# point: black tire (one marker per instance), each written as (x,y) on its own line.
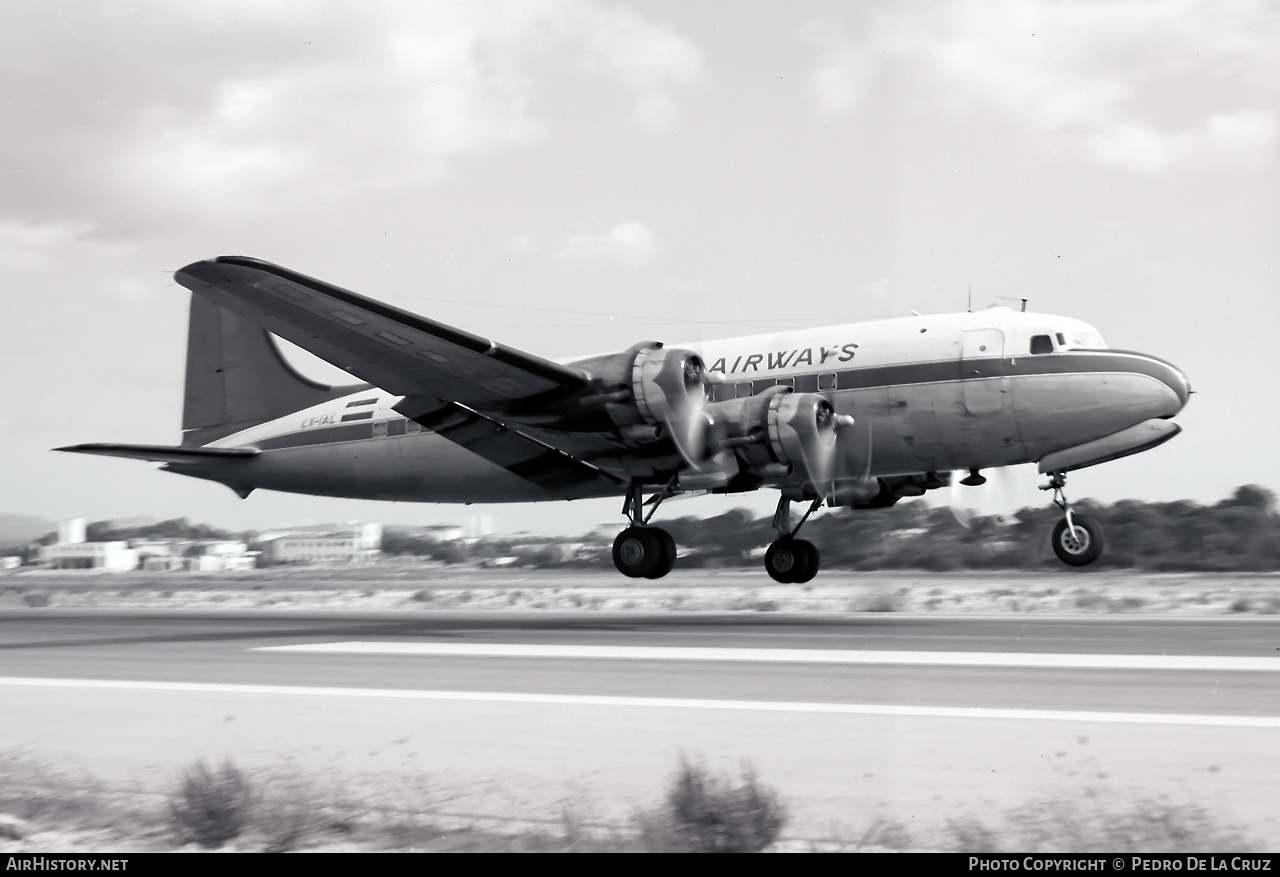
(784,559)
(1083,548)
(667,550)
(637,552)
(812,561)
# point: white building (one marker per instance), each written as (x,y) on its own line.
(317,549)
(71,531)
(355,543)
(111,556)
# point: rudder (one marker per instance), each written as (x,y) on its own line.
(237,377)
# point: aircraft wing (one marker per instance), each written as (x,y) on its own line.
(393,349)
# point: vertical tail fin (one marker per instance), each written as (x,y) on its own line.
(237,378)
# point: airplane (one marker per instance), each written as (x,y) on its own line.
(856,416)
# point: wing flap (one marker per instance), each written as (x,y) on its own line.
(550,468)
(399,351)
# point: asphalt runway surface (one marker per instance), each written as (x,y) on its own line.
(916,719)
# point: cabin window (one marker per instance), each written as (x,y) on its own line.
(412,426)
(1041,344)
(743,389)
(380,429)
(827,381)
(807,384)
(786,382)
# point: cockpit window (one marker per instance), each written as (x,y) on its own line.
(1041,344)
(1086,341)
(1062,339)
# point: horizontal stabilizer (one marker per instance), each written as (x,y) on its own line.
(159,453)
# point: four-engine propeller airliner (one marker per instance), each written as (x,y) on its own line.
(856,415)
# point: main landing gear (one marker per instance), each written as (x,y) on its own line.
(790,560)
(641,551)
(1077,539)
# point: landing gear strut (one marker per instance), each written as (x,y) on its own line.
(1077,539)
(790,560)
(641,551)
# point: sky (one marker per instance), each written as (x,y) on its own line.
(571,177)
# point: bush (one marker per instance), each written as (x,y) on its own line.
(211,807)
(709,813)
(1096,823)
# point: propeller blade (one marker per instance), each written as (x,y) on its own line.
(675,394)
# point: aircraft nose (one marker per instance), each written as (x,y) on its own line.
(1172,377)
(1181,386)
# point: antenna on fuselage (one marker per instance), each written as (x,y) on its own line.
(1024,306)
(970,305)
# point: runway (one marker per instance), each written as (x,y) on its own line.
(917,719)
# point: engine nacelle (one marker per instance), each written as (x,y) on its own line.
(652,392)
(778,434)
(880,493)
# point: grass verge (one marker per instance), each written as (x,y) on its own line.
(43,808)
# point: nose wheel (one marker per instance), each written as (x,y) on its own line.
(1077,539)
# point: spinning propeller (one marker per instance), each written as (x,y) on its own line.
(669,387)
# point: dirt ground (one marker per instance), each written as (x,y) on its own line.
(410,585)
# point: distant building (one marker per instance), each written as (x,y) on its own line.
(479,527)
(71,532)
(164,563)
(193,555)
(357,543)
(111,556)
(222,549)
(446,532)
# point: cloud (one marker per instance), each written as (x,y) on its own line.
(121,115)
(1134,84)
(1247,138)
(629,242)
(649,58)
(26,245)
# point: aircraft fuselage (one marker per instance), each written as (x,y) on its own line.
(927,394)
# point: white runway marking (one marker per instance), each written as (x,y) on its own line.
(855,709)
(786,656)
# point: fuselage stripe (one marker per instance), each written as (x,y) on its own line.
(869,378)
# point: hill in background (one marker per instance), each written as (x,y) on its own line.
(16,530)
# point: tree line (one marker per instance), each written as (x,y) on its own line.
(1238,534)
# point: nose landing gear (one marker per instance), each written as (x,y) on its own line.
(790,560)
(1077,539)
(641,551)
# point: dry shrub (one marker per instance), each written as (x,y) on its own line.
(1094,824)
(881,601)
(211,806)
(287,813)
(706,812)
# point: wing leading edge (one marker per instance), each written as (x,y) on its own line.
(455,383)
(399,351)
